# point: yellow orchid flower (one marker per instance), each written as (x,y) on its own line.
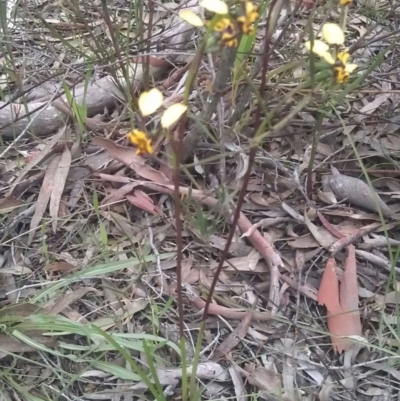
(223,24)
(172,114)
(333,35)
(345,2)
(141,141)
(150,101)
(342,68)
(247,20)
(191,18)
(229,39)
(215,6)
(226,27)
(321,49)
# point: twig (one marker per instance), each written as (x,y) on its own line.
(229,313)
(338,245)
(146,62)
(155,251)
(303,289)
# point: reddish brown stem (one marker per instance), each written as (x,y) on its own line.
(253,151)
(178,145)
(178,222)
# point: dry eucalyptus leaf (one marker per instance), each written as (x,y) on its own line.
(68,299)
(263,378)
(233,339)
(60,178)
(47,150)
(357,192)
(128,157)
(268,381)
(16,270)
(44,196)
(306,241)
(327,197)
(238,384)
(324,237)
(326,390)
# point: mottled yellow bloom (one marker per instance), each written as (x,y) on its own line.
(223,24)
(345,2)
(229,39)
(141,141)
(246,21)
(226,27)
(343,56)
(341,74)
(342,68)
(334,35)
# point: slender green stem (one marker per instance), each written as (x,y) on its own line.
(316,134)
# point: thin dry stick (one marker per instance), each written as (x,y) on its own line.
(341,243)
(157,255)
(303,289)
(229,313)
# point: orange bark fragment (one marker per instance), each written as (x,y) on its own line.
(343,317)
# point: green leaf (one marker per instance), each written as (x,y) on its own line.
(117,371)
(135,366)
(98,270)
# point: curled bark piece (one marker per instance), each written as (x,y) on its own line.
(358,193)
(43,118)
(349,291)
(342,310)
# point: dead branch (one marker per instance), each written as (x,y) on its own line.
(43,119)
